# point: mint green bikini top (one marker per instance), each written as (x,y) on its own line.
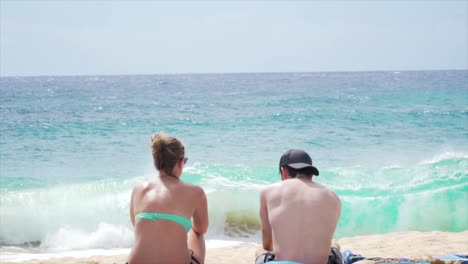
(185,222)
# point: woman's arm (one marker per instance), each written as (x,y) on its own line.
(132,211)
(200,216)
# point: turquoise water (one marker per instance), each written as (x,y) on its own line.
(393,145)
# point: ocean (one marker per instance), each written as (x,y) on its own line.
(392,145)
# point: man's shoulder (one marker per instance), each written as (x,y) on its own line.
(330,194)
(324,188)
(271,188)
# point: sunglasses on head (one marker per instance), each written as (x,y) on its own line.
(185,160)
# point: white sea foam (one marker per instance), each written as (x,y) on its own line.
(95,214)
(106,236)
(446,156)
(16,254)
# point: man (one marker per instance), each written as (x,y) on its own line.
(299,216)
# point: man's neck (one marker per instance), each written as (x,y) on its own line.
(303,177)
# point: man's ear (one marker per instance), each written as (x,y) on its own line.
(284,174)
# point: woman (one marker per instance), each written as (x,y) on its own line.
(170,216)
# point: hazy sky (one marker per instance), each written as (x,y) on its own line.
(146,37)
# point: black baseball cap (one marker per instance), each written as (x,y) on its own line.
(297,159)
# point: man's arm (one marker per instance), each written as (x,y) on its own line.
(266,228)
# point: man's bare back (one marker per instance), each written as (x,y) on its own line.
(298,217)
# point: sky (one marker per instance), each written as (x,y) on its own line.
(155,37)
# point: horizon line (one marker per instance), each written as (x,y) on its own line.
(225,73)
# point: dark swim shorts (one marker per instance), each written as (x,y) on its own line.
(334,257)
(194,260)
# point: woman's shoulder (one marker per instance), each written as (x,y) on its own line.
(194,189)
(143,187)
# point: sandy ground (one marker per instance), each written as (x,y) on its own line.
(406,244)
